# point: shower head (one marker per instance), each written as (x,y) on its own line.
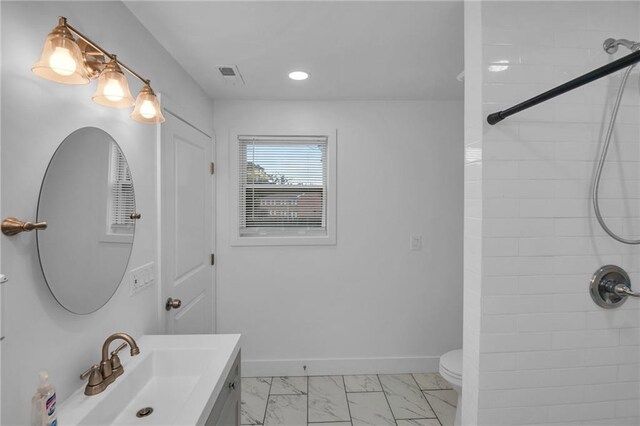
(610,45)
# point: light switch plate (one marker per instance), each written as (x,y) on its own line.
(142,277)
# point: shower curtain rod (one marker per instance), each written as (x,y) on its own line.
(612,67)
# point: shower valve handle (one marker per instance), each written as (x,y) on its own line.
(623,290)
(610,287)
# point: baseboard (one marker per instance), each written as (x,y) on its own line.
(339,366)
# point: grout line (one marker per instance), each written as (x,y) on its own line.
(344,386)
(426,399)
(387,399)
(308,399)
(288,394)
(266,407)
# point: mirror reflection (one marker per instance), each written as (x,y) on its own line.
(87,198)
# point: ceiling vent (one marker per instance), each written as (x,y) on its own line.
(231,75)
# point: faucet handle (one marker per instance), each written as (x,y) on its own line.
(118,349)
(115,359)
(93,373)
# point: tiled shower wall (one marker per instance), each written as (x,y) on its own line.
(548,354)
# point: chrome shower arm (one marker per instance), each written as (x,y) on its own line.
(610,45)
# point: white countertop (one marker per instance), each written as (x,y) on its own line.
(182,374)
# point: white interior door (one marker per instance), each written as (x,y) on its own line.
(187,227)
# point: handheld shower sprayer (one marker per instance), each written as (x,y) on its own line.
(610,45)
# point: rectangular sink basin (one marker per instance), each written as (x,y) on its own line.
(180,377)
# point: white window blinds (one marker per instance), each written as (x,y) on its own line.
(122,195)
(283,185)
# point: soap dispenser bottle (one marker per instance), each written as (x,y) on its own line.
(43,403)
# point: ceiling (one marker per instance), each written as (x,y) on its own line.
(387,50)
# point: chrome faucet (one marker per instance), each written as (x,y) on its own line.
(103,374)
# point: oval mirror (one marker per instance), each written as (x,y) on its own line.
(87,198)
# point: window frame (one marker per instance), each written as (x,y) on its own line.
(284,240)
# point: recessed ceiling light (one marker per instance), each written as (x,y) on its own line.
(298,75)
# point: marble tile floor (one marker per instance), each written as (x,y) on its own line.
(424,399)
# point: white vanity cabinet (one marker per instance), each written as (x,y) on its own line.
(226,410)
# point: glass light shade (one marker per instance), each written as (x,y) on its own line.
(147,109)
(61,60)
(113,88)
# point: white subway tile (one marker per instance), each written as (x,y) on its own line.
(591,411)
(502,36)
(499,266)
(500,170)
(536,360)
(493,247)
(582,264)
(518,227)
(629,373)
(498,324)
(531,397)
(514,342)
(547,377)
(567,132)
(574,302)
(584,226)
(498,361)
(513,416)
(504,285)
(537,247)
(510,150)
(518,188)
(630,336)
(552,55)
(611,355)
(607,319)
(579,39)
(584,339)
(571,189)
(552,321)
(500,207)
(611,392)
(550,284)
(629,408)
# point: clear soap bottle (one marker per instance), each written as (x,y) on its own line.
(43,403)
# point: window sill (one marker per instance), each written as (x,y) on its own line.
(247,241)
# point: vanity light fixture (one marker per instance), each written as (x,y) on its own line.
(298,75)
(68,60)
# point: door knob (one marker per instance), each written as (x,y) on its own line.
(172,304)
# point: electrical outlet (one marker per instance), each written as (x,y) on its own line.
(142,277)
(415,242)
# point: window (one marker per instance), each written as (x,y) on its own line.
(285,190)
(122,198)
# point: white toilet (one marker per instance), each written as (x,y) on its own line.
(451,371)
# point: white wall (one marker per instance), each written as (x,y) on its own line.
(548,354)
(472,211)
(36,117)
(367,303)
